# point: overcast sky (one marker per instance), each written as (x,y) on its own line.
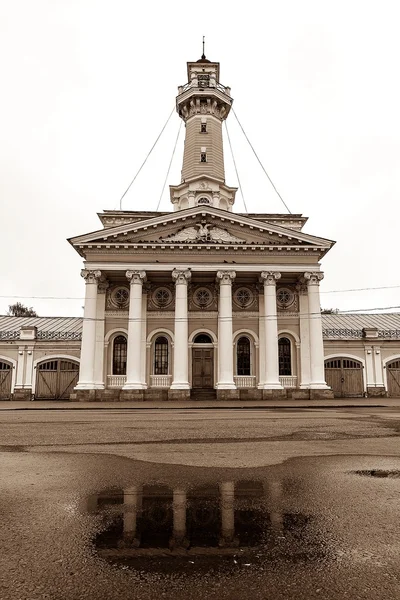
(88,84)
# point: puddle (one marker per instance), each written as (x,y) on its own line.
(219,526)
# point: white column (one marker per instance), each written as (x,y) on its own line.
(99,351)
(179,510)
(29,367)
(227,490)
(261,354)
(86,369)
(181,348)
(305,374)
(131,506)
(225,331)
(378,367)
(134,350)
(317,370)
(19,377)
(271,331)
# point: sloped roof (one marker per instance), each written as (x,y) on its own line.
(385,321)
(61,328)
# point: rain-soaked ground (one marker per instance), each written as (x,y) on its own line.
(248,504)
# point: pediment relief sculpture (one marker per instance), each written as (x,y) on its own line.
(203,234)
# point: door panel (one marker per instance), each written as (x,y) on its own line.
(203,368)
(5,381)
(345,377)
(393,379)
(56,379)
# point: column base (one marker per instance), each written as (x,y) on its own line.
(273,386)
(180,385)
(319,385)
(228,394)
(178,394)
(21,394)
(134,386)
(228,385)
(85,385)
(376,391)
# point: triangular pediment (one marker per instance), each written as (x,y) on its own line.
(202,225)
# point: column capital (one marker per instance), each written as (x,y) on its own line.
(136,277)
(181,276)
(313,278)
(270,277)
(225,277)
(91,276)
(302,287)
(103,285)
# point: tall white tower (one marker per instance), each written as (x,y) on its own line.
(203,103)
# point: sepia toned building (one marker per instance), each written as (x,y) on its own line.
(200,301)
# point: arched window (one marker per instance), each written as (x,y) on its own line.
(243,356)
(285,356)
(161,356)
(119,355)
(202,338)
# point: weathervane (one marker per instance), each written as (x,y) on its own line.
(203,55)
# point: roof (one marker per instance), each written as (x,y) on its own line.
(48,328)
(336,326)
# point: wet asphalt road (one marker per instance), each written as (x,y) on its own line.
(52,461)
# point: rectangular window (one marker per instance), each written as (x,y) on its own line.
(203,128)
(203,157)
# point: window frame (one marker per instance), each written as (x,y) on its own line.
(282,359)
(248,357)
(164,358)
(121,370)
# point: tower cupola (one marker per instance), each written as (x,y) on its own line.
(203,103)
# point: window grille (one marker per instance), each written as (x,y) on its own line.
(243,356)
(119,355)
(161,356)
(203,128)
(285,358)
(203,157)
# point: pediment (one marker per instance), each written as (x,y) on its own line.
(196,226)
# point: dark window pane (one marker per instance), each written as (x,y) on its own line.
(202,338)
(119,355)
(243,356)
(285,358)
(161,356)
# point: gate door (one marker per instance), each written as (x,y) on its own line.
(345,377)
(56,379)
(202,368)
(393,378)
(5,380)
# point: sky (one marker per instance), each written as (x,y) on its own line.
(87,86)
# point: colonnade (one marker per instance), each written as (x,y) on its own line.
(312,355)
(133,508)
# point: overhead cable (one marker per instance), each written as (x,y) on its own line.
(169,166)
(237,172)
(262,166)
(144,162)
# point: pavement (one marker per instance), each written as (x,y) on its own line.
(202,404)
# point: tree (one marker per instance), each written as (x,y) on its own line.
(329,311)
(20,310)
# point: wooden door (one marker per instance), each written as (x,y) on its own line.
(56,379)
(393,379)
(5,380)
(345,377)
(203,368)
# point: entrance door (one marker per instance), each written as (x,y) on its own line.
(345,377)
(56,379)
(393,379)
(5,381)
(203,368)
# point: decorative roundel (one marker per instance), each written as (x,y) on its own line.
(284,297)
(120,297)
(243,297)
(202,297)
(162,297)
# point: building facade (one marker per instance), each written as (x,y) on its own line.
(199,301)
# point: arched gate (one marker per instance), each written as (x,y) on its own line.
(55,379)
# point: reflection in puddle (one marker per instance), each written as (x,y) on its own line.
(209,526)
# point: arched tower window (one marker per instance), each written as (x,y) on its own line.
(161,356)
(285,356)
(119,355)
(243,356)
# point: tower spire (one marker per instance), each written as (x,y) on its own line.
(203,55)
